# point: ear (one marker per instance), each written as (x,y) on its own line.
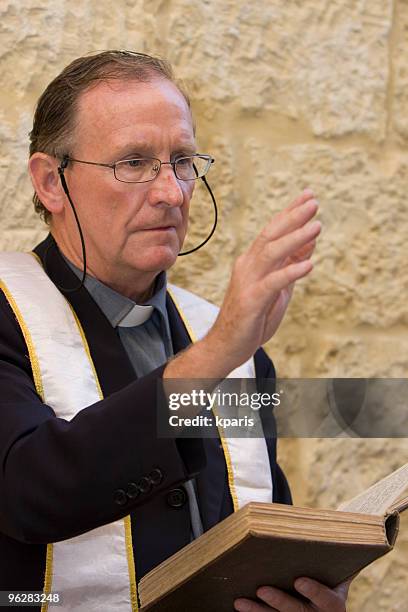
(43,170)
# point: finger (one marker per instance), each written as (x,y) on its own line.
(301,254)
(323,597)
(304,252)
(283,278)
(274,254)
(307,194)
(279,600)
(283,224)
(247,605)
(343,588)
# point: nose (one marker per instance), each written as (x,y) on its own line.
(165,189)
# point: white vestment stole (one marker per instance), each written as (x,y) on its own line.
(96,571)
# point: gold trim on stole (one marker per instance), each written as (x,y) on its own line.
(49,559)
(35,365)
(231,482)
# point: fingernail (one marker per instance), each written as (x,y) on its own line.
(268,593)
(308,191)
(316,225)
(242,606)
(303,586)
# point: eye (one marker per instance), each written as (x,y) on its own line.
(135,163)
(184,161)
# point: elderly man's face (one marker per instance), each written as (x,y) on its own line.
(130,228)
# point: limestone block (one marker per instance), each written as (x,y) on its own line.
(319,62)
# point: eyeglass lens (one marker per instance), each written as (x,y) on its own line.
(143,170)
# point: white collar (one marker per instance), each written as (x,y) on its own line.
(136,316)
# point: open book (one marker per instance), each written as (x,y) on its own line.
(273,544)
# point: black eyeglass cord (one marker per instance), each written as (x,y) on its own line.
(214,224)
(61,169)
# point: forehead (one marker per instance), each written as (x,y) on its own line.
(119,111)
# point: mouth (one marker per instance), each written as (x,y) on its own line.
(160,228)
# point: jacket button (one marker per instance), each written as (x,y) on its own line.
(176,498)
(133,490)
(144,484)
(156,476)
(120,497)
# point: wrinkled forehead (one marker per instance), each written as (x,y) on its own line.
(112,106)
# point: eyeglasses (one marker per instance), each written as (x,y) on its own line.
(143,170)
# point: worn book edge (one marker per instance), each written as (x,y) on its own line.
(383,497)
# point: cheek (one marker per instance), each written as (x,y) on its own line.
(119,207)
(185,209)
(95,197)
(188,190)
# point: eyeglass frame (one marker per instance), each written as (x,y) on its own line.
(67,158)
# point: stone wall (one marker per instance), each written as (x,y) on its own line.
(287,94)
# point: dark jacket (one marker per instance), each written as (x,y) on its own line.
(61,478)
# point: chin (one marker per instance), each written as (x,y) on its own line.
(155,260)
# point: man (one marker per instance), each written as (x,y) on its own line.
(113,162)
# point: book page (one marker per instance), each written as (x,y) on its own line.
(400,505)
(378,498)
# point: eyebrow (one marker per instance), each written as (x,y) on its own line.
(146,149)
(134,148)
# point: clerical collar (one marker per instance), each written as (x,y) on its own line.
(138,314)
(120,310)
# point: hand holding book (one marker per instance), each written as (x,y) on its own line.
(321,598)
(262,552)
